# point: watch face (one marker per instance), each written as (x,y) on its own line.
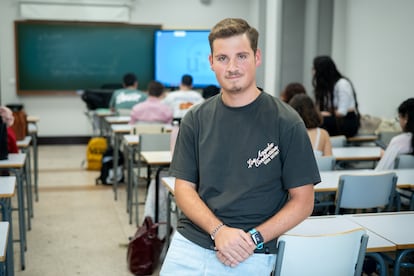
(257,238)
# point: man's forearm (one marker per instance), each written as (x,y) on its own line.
(193,207)
(298,208)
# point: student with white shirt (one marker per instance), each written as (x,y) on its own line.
(402,143)
(336,98)
(184,98)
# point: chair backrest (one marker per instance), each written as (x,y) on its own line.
(404,161)
(139,128)
(154,141)
(361,191)
(325,163)
(339,254)
(338,141)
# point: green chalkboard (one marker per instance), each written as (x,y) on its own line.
(58,56)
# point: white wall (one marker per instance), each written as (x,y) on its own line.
(373,46)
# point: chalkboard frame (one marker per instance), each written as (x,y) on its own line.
(142,59)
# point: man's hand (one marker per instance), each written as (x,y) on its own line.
(233,246)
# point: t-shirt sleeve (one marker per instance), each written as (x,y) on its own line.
(299,164)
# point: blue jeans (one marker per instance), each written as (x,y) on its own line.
(187,258)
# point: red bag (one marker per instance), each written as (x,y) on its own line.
(144,249)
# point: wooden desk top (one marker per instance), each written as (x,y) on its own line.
(157,157)
(117,119)
(357,153)
(104,112)
(32,119)
(396,227)
(169,183)
(326,225)
(362,138)
(131,140)
(14,161)
(7,186)
(25,142)
(4,234)
(121,128)
(330,179)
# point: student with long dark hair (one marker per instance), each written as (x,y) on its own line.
(336,98)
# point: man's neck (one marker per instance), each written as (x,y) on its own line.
(239,99)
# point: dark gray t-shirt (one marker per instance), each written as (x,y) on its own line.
(243,161)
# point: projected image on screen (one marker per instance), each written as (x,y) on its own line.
(183,52)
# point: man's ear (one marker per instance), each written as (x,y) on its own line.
(258,57)
(210,59)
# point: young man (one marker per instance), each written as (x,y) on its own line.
(123,100)
(244,168)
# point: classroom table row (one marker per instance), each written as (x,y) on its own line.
(390,234)
(18,166)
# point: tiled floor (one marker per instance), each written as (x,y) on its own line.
(78,228)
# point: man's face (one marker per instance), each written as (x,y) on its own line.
(234,63)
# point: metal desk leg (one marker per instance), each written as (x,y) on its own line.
(35,166)
(157,192)
(28,178)
(21,212)
(5,204)
(115,166)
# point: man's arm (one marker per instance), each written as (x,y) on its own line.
(233,243)
(297,209)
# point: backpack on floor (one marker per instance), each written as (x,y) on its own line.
(94,152)
(107,172)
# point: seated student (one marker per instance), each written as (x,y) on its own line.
(181,100)
(402,143)
(319,137)
(7,117)
(292,89)
(152,109)
(127,97)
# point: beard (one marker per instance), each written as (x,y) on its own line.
(234,86)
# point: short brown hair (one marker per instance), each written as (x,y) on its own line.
(155,88)
(231,27)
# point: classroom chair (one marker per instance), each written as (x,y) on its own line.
(406,161)
(367,191)
(325,163)
(339,254)
(338,141)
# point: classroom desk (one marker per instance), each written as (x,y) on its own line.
(16,164)
(24,146)
(357,153)
(359,139)
(118,130)
(162,160)
(325,225)
(397,227)
(33,129)
(317,225)
(330,179)
(4,244)
(169,183)
(131,143)
(7,192)
(115,120)
(98,119)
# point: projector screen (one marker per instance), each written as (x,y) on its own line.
(179,52)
